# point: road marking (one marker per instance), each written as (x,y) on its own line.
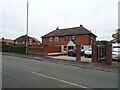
(81,86)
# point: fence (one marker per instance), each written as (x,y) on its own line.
(101,52)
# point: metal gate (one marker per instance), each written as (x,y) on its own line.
(101,52)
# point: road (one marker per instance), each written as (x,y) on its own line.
(27,73)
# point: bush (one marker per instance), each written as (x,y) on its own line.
(5,47)
(17,49)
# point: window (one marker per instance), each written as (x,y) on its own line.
(51,39)
(56,38)
(16,42)
(82,47)
(73,38)
(66,38)
(19,42)
(23,42)
(65,48)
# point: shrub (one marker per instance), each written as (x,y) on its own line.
(17,49)
(5,47)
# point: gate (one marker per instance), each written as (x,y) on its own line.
(101,52)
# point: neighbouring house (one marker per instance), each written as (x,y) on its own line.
(22,40)
(116,37)
(68,38)
(7,41)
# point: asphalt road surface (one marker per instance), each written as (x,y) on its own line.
(27,73)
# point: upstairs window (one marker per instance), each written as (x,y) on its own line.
(51,39)
(73,38)
(66,38)
(56,38)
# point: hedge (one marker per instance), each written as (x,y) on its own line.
(5,47)
(17,49)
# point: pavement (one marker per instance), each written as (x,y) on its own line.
(45,72)
(71,61)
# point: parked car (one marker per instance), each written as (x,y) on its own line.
(72,52)
(88,53)
(82,52)
(116,52)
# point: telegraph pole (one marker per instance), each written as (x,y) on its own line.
(27,28)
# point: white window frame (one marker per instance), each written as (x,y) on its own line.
(51,39)
(73,38)
(56,38)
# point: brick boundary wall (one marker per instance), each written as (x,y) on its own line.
(78,52)
(54,48)
(43,49)
(108,59)
(38,50)
(94,53)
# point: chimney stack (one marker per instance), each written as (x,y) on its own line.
(57,28)
(81,25)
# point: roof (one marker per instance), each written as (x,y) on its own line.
(35,39)
(71,43)
(23,38)
(7,40)
(69,31)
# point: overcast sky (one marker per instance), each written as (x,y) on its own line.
(99,16)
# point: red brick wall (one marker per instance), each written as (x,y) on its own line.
(80,39)
(94,53)
(108,59)
(54,49)
(38,50)
(61,41)
(41,49)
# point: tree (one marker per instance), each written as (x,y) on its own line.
(116,36)
(102,42)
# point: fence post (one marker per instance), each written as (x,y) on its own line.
(108,59)
(78,52)
(94,52)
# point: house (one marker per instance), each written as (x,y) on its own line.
(22,40)
(7,41)
(116,37)
(68,38)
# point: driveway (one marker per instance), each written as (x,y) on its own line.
(65,57)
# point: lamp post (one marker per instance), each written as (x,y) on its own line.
(27,28)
